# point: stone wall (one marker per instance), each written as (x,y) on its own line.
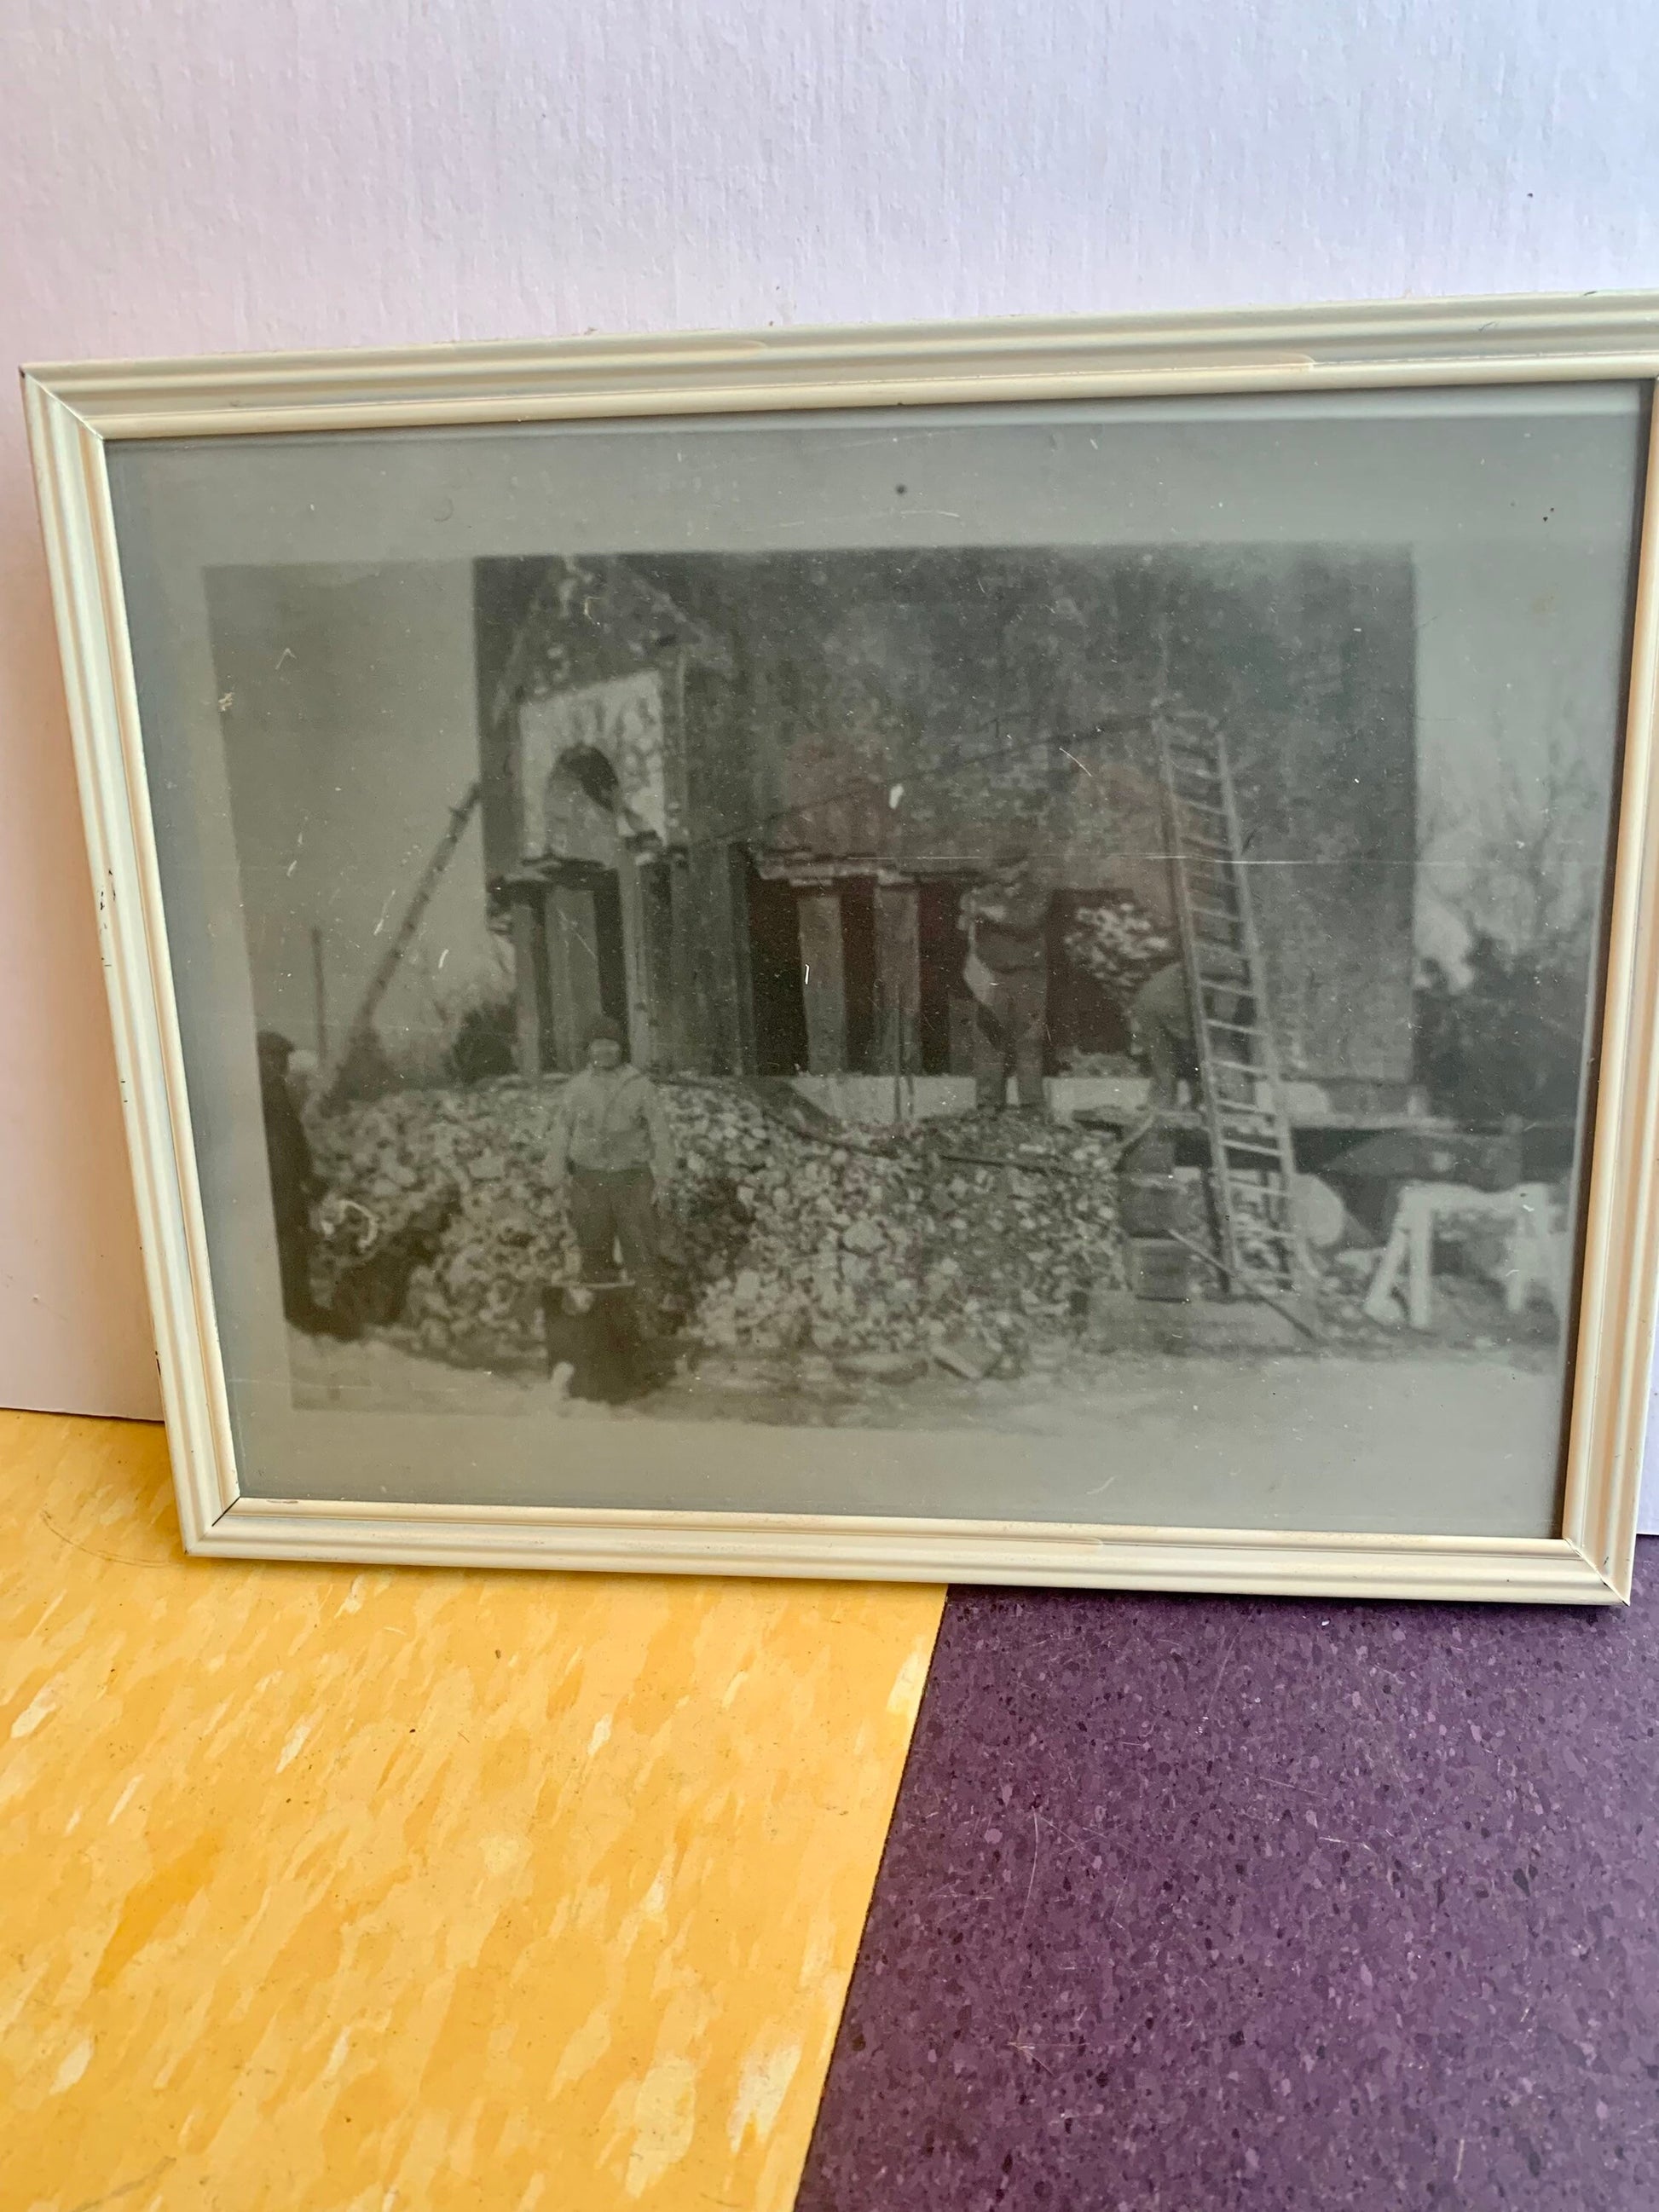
(910,715)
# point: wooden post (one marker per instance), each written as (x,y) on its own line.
(744,1039)
(657,915)
(686,1023)
(1419,1206)
(573,969)
(319,996)
(823,980)
(636,959)
(528,977)
(718,961)
(898,973)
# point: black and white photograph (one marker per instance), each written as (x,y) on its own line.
(1121,989)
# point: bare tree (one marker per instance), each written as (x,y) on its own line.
(1518,857)
(1518,860)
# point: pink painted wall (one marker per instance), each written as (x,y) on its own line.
(184,177)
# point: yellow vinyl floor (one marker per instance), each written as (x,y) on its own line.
(323,1891)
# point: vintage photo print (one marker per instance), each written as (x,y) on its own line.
(1039,962)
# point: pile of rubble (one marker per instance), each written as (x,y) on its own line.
(966,1239)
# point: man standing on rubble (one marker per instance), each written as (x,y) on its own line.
(611,1146)
(1006,970)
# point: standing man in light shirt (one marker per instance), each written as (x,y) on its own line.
(612,1146)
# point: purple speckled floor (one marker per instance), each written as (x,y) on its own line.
(1192,1904)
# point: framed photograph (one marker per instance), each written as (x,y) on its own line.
(1024,952)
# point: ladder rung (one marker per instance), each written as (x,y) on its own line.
(1247,1145)
(1237,1029)
(1220,914)
(1239,1067)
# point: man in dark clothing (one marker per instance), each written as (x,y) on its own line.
(293,1182)
(1161,1021)
(1007,972)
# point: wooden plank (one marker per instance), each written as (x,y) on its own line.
(528,958)
(823,980)
(657,913)
(637,960)
(898,977)
(573,969)
(717,971)
(745,1037)
(686,1025)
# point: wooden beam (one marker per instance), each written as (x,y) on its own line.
(745,1038)
(823,980)
(898,978)
(687,1026)
(573,969)
(642,1037)
(657,915)
(528,984)
(718,960)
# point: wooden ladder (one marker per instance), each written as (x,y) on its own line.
(1252,1162)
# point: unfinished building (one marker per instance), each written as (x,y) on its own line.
(736,801)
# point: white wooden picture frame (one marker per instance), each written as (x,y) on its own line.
(86,420)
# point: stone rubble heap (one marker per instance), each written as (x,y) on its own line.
(967,1239)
